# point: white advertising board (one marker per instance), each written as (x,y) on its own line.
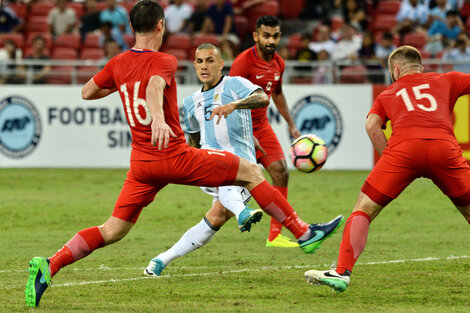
(51,126)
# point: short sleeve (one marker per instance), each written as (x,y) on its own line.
(460,83)
(242,86)
(164,66)
(190,121)
(378,109)
(104,78)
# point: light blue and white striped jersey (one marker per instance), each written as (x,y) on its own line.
(234,133)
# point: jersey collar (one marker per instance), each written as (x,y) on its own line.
(221,79)
(137,50)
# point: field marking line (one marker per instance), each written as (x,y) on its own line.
(257,269)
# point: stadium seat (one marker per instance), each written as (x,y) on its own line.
(177,41)
(197,40)
(60,75)
(290,9)
(128,5)
(294,43)
(336,23)
(68,40)
(92,41)
(92,54)
(179,54)
(242,25)
(40,9)
(388,7)
(31,35)
(78,8)
(383,22)
(353,74)
(416,39)
(20,9)
(269,7)
(16,37)
(63,53)
(84,73)
(378,38)
(37,24)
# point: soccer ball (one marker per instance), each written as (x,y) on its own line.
(308,153)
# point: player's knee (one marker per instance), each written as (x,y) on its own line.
(113,232)
(279,173)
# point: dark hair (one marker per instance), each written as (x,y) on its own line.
(452,13)
(387,35)
(145,16)
(39,37)
(267,20)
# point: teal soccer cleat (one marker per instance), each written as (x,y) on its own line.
(318,234)
(38,281)
(154,268)
(330,278)
(248,217)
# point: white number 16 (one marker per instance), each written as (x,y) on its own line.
(418,96)
(136,102)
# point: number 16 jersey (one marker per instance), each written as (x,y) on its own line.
(419,106)
(130,72)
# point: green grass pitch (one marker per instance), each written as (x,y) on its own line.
(416,259)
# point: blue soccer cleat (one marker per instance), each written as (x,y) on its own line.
(318,234)
(38,281)
(247,217)
(154,268)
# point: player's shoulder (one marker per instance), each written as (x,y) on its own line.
(244,55)
(279,59)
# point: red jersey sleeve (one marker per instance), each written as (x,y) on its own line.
(165,67)
(460,84)
(378,109)
(239,67)
(104,78)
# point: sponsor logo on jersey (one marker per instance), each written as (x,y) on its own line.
(316,114)
(216,97)
(20,127)
(277,76)
(259,76)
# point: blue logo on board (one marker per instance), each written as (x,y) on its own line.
(319,115)
(20,127)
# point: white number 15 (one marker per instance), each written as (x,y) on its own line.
(418,96)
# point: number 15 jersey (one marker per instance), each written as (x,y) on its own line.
(419,106)
(130,72)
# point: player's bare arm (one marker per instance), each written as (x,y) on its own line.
(91,91)
(374,126)
(280,101)
(161,132)
(257,99)
(195,140)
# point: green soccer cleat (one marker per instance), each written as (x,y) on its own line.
(281,242)
(319,233)
(154,268)
(331,278)
(38,281)
(247,217)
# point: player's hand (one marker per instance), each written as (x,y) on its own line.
(258,146)
(294,132)
(223,110)
(161,133)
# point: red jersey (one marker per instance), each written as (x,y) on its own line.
(130,72)
(267,75)
(420,106)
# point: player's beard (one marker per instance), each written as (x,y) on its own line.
(265,49)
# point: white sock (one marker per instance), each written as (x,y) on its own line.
(194,238)
(231,198)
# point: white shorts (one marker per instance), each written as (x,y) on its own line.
(214,191)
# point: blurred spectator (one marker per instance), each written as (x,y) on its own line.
(11,73)
(321,75)
(438,12)
(219,20)
(385,48)
(314,9)
(196,21)
(368,47)
(304,54)
(354,12)
(40,72)
(9,22)
(111,49)
(240,7)
(228,53)
(110,33)
(90,21)
(177,15)
(461,52)
(411,16)
(283,51)
(117,15)
(322,41)
(349,45)
(440,32)
(62,19)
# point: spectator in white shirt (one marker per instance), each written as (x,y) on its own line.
(349,45)
(323,41)
(177,16)
(411,16)
(62,20)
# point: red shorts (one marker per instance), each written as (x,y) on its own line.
(197,167)
(437,159)
(268,140)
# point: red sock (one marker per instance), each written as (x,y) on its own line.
(276,226)
(354,240)
(273,203)
(82,244)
